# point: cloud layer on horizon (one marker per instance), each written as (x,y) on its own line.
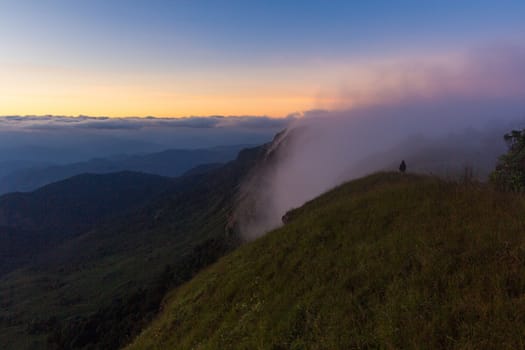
(51,122)
(59,139)
(418,95)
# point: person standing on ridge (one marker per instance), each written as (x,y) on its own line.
(402,167)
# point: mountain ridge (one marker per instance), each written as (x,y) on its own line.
(385,261)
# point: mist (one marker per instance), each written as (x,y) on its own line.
(442,129)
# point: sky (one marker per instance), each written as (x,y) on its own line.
(121,58)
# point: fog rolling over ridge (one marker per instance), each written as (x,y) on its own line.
(440,121)
(325,149)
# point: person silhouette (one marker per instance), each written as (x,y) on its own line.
(402,166)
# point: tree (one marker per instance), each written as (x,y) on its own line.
(510,171)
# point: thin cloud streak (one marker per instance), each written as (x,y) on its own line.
(49,122)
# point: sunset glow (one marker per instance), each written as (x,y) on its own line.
(172,59)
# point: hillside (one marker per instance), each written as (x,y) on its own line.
(386,261)
(172,162)
(99,289)
(34,221)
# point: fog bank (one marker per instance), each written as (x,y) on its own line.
(452,126)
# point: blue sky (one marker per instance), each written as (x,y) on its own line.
(198,57)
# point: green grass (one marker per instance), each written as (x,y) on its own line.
(387,261)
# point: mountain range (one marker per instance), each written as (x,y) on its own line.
(140,261)
(171,163)
(107,262)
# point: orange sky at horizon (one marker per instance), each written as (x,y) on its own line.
(275,91)
(186,58)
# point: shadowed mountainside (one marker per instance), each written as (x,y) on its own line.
(36,221)
(98,289)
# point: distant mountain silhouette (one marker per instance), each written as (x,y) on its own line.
(173,162)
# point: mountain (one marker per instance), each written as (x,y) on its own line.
(201,169)
(9,166)
(389,260)
(35,221)
(170,163)
(100,288)
(386,261)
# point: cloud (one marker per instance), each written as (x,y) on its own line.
(440,119)
(491,72)
(49,123)
(59,139)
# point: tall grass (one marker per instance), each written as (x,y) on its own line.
(387,261)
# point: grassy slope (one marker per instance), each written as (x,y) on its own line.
(387,261)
